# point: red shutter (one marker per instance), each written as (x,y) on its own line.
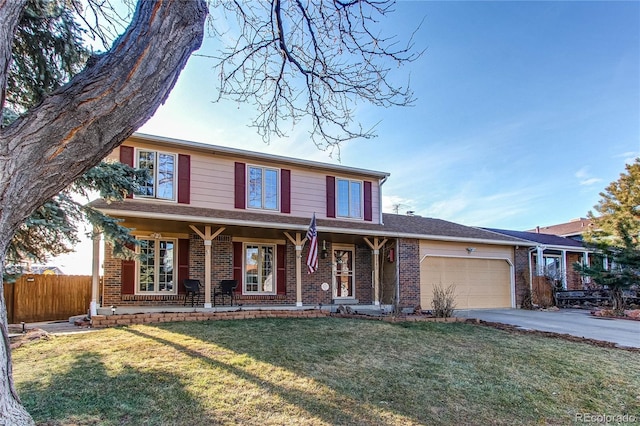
(285,191)
(237,265)
(368,206)
(240,177)
(281,276)
(126,157)
(331,196)
(183,263)
(184,179)
(128,275)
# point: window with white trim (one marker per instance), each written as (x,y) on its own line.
(259,269)
(155,268)
(349,198)
(161,167)
(262,190)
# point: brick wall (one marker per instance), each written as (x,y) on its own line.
(364,275)
(312,292)
(408,256)
(522,274)
(102,321)
(574,281)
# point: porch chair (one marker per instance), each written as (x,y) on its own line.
(225,288)
(191,287)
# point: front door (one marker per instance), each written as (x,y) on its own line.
(343,272)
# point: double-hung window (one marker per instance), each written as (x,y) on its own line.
(156,272)
(349,198)
(161,179)
(259,268)
(262,191)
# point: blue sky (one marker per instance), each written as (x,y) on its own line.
(525,111)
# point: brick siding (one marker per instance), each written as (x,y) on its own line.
(408,256)
(522,274)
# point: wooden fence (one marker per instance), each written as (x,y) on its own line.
(35,298)
(542,292)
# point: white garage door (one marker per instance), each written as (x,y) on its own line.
(480,283)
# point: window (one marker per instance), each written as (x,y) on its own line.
(156,272)
(259,266)
(349,198)
(161,182)
(263,188)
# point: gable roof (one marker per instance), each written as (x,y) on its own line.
(571,228)
(548,240)
(225,151)
(395,226)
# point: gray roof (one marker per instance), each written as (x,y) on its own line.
(544,239)
(419,225)
(395,226)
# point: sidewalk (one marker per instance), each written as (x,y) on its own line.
(52,327)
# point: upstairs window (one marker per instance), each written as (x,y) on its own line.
(161,168)
(262,188)
(349,198)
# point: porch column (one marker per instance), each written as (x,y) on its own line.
(95,274)
(585,262)
(565,284)
(207,237)
(539,261)
(298,241)
(375,247)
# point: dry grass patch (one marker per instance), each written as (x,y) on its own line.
(320,371)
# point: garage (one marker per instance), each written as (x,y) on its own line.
(480,283)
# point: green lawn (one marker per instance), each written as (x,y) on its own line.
(320,371)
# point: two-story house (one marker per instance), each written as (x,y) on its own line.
(213,213)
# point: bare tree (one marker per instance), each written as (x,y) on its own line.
(291,59)
(314,60)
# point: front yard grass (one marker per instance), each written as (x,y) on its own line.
(320,371)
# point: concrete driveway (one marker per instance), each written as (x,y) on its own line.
(575,322)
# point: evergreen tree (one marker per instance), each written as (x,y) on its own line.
(48,51)
(615,236)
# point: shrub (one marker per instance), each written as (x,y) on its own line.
(443,301)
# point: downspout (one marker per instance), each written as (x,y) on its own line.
(529,258)
(380,183)
(397,304)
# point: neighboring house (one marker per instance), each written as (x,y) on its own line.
(558,254)
(212,213)
(572,229)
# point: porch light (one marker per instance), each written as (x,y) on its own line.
(324,252)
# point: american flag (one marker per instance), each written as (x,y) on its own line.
(312,236)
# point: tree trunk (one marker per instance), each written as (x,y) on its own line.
(76,126)
(618,299)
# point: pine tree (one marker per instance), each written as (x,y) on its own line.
(615,236)
(47,52)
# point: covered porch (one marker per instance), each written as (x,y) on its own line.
(266,257)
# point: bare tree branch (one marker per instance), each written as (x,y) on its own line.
(294,59)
